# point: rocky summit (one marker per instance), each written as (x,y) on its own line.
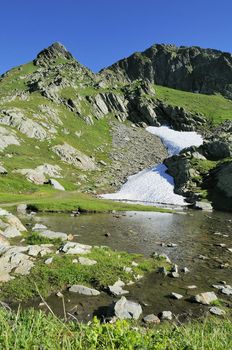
(192,69)
(65,128)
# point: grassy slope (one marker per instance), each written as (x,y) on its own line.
(214,107)
(34,330)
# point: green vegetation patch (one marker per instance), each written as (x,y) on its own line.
(34,330)
(203,166)
(56,201)
(36,238)
(215,107)
(62,272)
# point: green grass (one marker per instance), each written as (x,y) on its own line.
(52,201)
(62,272)
(34,330)
(215,107)
(203,166)
(36,238)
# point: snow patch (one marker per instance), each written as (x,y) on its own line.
(155,185)
(174,140)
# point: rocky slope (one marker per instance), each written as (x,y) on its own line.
(56,114)
(65,127)
(193,69)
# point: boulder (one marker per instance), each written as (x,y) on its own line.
(151,319)
(38,175)
(43,249)
(216,311)
(15,118)
(116,289)
(11,232)
(4,243)
(8,137)
(166,315)
(54,235)
(39,227)
(126,309)
(22,209)
(205,298)
(76,248)
(80,289)
(3,171)
(72,156)
(56,185)
(48,261)
(176,296)
(219,186)
(205,206)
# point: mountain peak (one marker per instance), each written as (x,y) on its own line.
(54,51)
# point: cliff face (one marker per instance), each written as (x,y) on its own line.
(192,69)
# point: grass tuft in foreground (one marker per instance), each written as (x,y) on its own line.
(34,330)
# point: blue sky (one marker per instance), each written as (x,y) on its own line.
(99,32)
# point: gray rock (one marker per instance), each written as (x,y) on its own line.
(172,245)
(54,235)
(56,185)
(7,137)
(38,175)
(205,298)
(216,311)
(203,206)
(185,270)
(3,171)
(116,289)
(166,315)
(174,274)
(15,118)
(22,208)
(80,289)
(176,296)
(86,261)
(151,319)
(48,261)
(192,287)
(39,227)
(76,248)
(43,249)
(4,243)
(11,232)
(24,267)
(72,156)
(126,309)
(227,290)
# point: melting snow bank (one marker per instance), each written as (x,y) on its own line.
(174,140)
(155,185)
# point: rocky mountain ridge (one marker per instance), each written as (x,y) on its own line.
(57,114)
(192,69)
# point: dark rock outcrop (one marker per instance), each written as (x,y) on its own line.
(192,69)
(219,186)
(203,167)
